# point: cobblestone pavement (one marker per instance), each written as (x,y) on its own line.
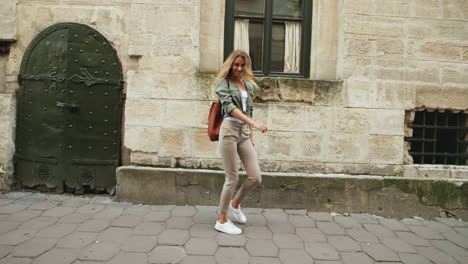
(45,228)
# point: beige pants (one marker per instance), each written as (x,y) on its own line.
(234,139)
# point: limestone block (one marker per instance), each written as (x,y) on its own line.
(393,95)
(261,113)
(386,149)
(435,171)
(8,20)
(392,8)
(287,117)
(296,90)
(111,21)
(186,113)
(202,163)
(181,86)
(352,120)
(343,148)
(395,8)
(386,122)
(357,47)
(435,29)
(326,21)
(455,74)
(173,142)
(460,172)
(374,26)
(142,112)
(445,97)
(454,9)
(457,97)
(207,84)
(268,90)
(435,51)
(425,8)
(421,71)
(390,47)
(162,45)
(279,146)
(150,84)
(211,35)
(393,74)
(311,146)
(3,62)
(169,64)
(358,7)
(326,69)
(144,158)
(358,93)
(162,2)
(357,67)
(319,119)
(202,146)
(329,27)
(328,93)
(465,54)
(167,19)
(7,107)
(7,130)
(143,84)
(412,71)
(7,146)
(142,138)
(430,96)
(28,29)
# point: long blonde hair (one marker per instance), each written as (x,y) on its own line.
(226,69)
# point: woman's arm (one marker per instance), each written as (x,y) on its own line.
(239,115)
(225,97)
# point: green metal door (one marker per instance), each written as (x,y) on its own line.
(69,111)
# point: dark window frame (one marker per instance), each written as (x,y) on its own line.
(427,147)
(306,34)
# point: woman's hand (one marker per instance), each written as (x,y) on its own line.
(260,126)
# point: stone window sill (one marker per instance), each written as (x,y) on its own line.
(289,90)
(295,90)
(435,171)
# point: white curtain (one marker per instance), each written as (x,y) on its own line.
(241,35)
(292,47)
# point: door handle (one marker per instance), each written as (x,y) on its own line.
(72,107)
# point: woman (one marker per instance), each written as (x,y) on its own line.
(235,91)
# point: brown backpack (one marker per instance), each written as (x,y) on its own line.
(215,119)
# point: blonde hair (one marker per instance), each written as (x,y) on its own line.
(226,69)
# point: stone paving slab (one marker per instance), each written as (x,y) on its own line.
(66,229)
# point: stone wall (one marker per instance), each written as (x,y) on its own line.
(7,98)
(405,55)
(370,62)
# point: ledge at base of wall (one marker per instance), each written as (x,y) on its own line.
(385,196)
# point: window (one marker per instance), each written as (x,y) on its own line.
(439,138)
(275,33)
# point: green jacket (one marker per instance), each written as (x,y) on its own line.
(230,97)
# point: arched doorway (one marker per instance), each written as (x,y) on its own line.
(69,111)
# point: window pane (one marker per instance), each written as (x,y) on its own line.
(287,8)
(256,44)
(250,7)
(277,47)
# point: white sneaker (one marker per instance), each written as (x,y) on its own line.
(238,214)
(228,228)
